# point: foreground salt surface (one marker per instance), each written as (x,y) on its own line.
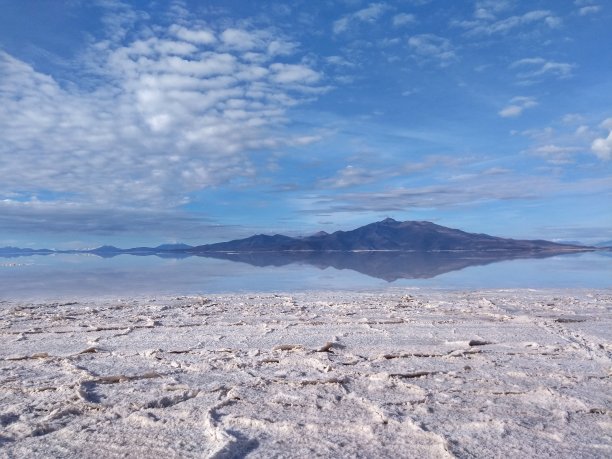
(396,374)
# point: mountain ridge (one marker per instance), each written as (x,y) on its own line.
(384,235)
(388,235)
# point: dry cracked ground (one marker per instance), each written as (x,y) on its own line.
(405,373)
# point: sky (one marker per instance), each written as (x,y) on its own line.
(147,122)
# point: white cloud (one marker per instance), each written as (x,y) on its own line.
(536,67)
(606,124)
(179,48)
(341,25)
(488,9)
(487,24)
(119,18)
(494,5)
(467,190)
(198,36)
(243,40)
(160,119)
(602,146)
(556,154)
(256,45)
(583,131)
(290,73)
(240,39)
(559,146)
(280,48)
(517,106)
(572,118)
(349,176)
(369,14)
(589,10)
(339,61)
(403,19)
(430,47)
(511,111)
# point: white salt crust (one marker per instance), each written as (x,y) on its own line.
(412,373)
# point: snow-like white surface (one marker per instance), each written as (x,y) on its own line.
(397,374)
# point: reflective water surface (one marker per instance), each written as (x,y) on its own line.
(65,275)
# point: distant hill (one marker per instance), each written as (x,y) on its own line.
(11,252)
(173,247)
(387,235)
(105,249)
(164,249)
(604,244)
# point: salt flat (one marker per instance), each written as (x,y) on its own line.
(403,373)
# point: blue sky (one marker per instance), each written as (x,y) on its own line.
(147,122)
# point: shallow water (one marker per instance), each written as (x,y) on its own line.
(62,275)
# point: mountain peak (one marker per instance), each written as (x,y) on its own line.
(389,220)
(106,248)
(177,246)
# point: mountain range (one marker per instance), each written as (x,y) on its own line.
(387,249)
(387,235)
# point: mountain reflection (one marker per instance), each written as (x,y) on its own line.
(386,265)
(389,266)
